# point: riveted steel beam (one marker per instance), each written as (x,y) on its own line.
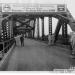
(64,32)
(57,29)
(50,25)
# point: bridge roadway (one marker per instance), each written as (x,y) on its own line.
(37,56)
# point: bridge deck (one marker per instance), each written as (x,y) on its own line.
(36,55)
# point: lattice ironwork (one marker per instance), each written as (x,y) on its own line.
(50,25)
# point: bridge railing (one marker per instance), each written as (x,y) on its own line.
(5,46)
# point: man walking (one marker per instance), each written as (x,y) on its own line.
(22,40)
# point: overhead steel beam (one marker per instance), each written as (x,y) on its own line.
(23,22)
(7,17)
(26,27)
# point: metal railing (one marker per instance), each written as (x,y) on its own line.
(5,46)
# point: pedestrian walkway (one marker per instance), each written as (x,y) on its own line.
(37,56)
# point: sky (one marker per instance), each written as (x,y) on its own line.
(70,6)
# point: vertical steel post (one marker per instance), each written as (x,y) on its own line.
(42,27)
(64,32)
(31,31)
(34,28)
(50,31)
(29,34)
(50,25)
(38,27)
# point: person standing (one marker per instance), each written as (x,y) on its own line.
(51,39)
(22,40)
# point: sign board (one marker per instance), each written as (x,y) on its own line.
(33,7)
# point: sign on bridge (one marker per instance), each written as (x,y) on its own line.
(33,8)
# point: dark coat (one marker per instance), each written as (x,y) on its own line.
(21,38)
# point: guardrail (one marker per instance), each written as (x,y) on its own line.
(5,46)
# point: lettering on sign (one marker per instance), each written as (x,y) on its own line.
(33,8)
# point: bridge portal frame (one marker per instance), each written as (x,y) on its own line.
(35,15)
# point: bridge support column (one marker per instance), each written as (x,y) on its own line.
(34,28)
(42,18)
(38,28)
(50,25)
(50,31)
(7,27)
(57,30)
(64,33)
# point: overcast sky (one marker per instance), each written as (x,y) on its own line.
(70,5)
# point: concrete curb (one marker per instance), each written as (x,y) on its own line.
(5,58)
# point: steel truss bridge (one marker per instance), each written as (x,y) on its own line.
(24,14)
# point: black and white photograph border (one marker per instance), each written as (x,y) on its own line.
(37,36)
